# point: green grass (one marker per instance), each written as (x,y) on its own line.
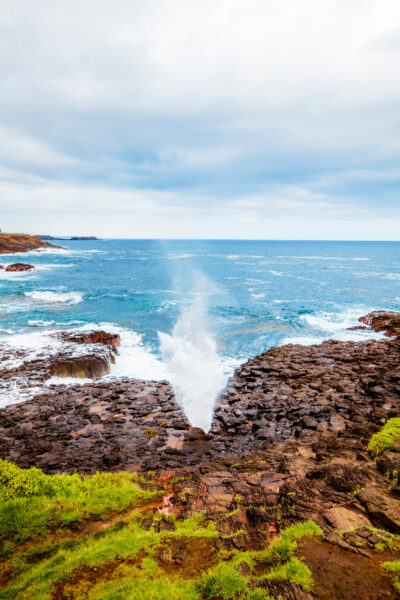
(32,502)
(121,561)
(39,570)
(384,440)
(122,544)
(223,581)
(393,569)
(294,570)
(280,555)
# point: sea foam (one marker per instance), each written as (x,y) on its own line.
(56,297)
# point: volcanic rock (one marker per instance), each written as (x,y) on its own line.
(379,320)
(81,354)
(321,396)
(91,337)
(19,267)
(86,366)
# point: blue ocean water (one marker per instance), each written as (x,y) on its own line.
(246,295)
(258,293)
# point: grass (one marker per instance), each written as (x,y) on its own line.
(393,569)
(389,540)
(31,502)
(384,440)
(280,555)
(123,560)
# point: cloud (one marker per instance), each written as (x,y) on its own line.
(235,106)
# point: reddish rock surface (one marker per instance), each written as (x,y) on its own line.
(379,320)
(91,337)
(16,267)
(11,243)
(82,354)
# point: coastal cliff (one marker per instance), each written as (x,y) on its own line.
(293,493)
(11,243)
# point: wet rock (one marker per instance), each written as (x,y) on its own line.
(19,267)
(90,337)
(389,322)
(81,366)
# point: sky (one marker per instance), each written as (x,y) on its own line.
(251,119)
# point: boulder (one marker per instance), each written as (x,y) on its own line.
(380,320)
(17,267)
(89,366)
(344,519)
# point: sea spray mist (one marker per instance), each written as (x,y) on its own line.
(195,368)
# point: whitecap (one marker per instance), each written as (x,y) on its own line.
(48,297)
(356,258)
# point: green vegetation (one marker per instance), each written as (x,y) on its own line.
(31,502)
(389,540)
(393,569)
(281,555)
(69,554)
(384,440)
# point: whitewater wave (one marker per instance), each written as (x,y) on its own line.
(179,256)
(40,323)
(16,275)
(51,266)
(48,297)
(325,325)
(356,258)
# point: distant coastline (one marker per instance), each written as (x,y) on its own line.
(11,243)
(68,238)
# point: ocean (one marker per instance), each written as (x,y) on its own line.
(191,311)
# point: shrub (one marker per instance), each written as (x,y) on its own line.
(384,440)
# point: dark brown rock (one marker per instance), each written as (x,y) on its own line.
(379,320)
(18,267)
(91,337)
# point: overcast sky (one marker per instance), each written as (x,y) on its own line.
(215,118)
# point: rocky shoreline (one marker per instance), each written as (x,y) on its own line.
(294,392)
(288,443)
(12,243)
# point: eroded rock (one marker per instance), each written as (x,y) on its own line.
(19,267)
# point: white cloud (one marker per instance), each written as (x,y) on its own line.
(252,104)
(24,151)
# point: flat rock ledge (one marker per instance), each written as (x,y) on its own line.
(295,393)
